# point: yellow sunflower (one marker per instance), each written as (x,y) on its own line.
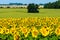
(16,37)
(34,33)
(26,34)
(4,29)
(57,31)
(12,31)
(7,31)
(1,31)
(44,31)
(25,31)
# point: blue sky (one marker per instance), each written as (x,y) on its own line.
(26,1)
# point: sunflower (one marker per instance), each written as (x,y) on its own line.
(57,31)
(44,31)
(4,28)
(7,31)
(12,31)
(26,34)
(34,33)
(16,37)
(1,31)
(33,28)
(25,31)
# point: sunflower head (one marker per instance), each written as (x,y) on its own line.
(25,31)
(44,31)
(34,33)
(16,37)
(57,31)
(7,31)
(12,31)
(1,31)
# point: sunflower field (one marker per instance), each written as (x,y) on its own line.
(46,28)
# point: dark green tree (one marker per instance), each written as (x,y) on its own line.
(32,8)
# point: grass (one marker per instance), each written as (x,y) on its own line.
(17,13)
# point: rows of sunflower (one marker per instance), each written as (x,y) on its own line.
(45,28)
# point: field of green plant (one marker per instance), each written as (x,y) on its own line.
(17,13)
(17,24)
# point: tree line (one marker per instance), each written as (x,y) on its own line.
(55,5)
(17,4)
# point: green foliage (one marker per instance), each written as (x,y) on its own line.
(52,5)
(6,37)
(32,8)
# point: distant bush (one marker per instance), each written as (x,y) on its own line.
(1,7)
(32,8)
(8,7)
(21,7)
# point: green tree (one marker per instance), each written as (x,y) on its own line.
(32,8)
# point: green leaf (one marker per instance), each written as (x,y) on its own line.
(26,39)
(10,37)
(40,39)
(58,37)
(50,38)
(4,37)
(1,35)
(30,38)
(54,38)
(46,38)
